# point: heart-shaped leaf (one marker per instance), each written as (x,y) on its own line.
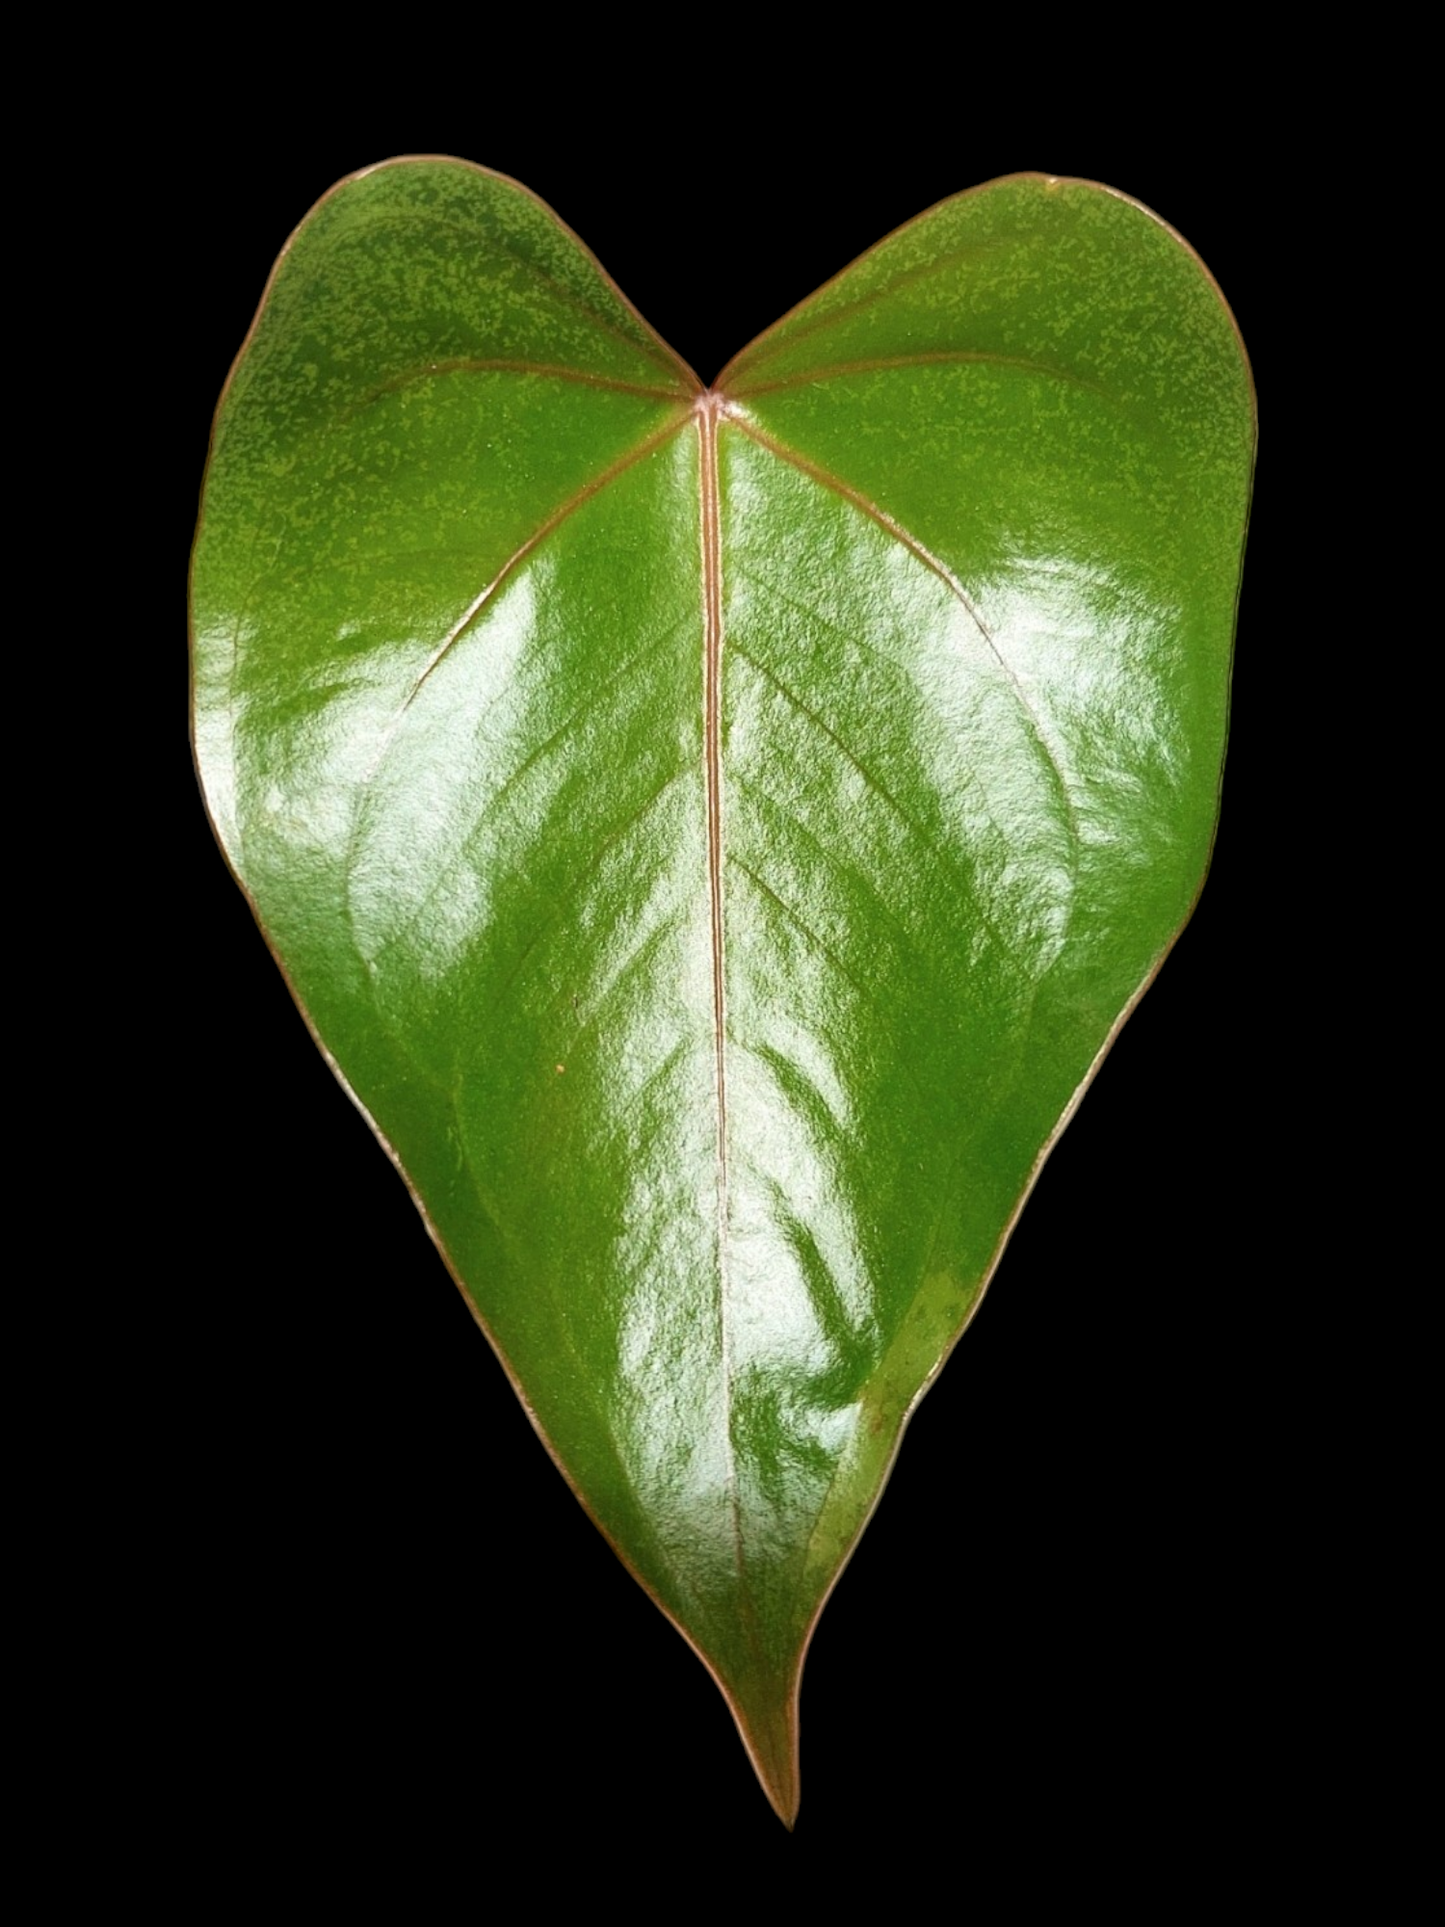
(715,833)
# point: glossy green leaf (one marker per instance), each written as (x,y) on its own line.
(715,834)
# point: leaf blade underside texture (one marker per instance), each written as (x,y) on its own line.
(716,833)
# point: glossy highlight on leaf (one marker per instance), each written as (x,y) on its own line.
(715,833)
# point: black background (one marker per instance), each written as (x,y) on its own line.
(397,1602)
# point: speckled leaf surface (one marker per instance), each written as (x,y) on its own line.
(715,833)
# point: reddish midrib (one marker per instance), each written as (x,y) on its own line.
(708,408)
(707,413)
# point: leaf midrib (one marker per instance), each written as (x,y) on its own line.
(707,409)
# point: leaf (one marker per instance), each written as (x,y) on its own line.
(714,834)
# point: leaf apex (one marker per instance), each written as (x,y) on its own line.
(770,1735)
